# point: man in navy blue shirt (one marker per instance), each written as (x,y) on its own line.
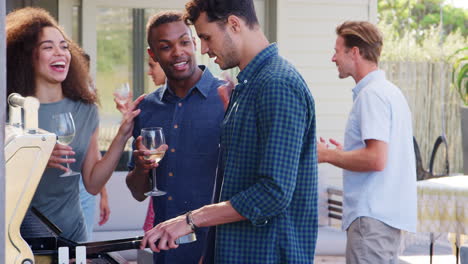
(190,111)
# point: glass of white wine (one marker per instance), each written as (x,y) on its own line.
(64,128)
(122,92)
(153,140)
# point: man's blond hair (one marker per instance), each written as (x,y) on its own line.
(363,35)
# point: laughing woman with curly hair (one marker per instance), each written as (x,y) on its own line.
(42,62)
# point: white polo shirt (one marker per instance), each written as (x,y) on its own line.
(380,112)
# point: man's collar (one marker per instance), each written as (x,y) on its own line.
(203,85)
(256,64)
(377,74)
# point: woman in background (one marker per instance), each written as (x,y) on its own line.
(43,62)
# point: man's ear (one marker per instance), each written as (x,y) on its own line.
(234,23)
(151,54)
(355,51)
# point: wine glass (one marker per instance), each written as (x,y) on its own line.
(153,140)
(64,128)
(122,92)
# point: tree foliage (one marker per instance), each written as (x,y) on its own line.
(422,15)
(413,31)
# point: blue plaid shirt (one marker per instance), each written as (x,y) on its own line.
(270,166)
(192,127)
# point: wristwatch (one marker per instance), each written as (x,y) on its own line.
(189,220)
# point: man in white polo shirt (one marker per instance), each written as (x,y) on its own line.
(379,174)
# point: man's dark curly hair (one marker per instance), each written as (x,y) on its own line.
(161,18)
(219,11)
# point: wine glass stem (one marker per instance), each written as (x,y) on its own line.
(68,165)
(155,188)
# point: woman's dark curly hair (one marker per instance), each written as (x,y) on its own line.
(23,27)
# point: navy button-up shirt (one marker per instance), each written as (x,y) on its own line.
(187,172)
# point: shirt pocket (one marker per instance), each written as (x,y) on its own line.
(206,136)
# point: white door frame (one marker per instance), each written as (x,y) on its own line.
(89,7)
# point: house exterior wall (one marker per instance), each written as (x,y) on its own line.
(306,37)
(305,32)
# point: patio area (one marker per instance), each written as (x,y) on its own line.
(441,209)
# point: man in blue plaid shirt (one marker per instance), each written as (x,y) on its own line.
(267,210)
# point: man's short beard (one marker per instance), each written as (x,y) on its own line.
(230,57)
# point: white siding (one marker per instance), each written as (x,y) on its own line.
(306,37)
